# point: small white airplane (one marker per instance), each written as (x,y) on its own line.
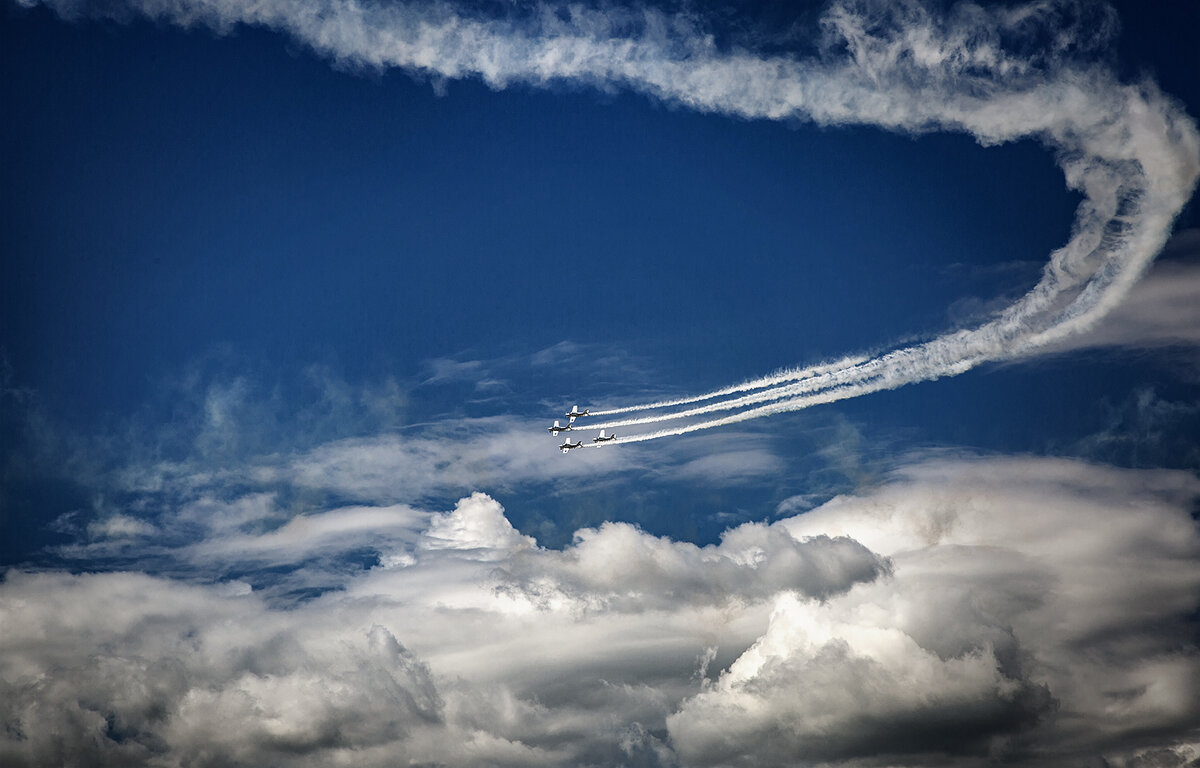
(575,414)
(569,446)
(556,429)
(602,439)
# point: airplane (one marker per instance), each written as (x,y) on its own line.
(602,439)
(574,412)
(568,446)
(556,429)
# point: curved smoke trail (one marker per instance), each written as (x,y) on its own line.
(998,74)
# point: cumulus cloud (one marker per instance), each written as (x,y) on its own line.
(814,688)
(617,566)
(121,669)
(1034,602)
(126,668)
(1029,610)
(476,524)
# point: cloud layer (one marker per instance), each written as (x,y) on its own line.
(1033,610)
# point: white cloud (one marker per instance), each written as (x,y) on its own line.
(128,669)
(1027,609)
(1033,602)
(443,369)
(118,526)
(816,688)
(448,457)
(520,655)
(476,523)
(304,536)
(727,467)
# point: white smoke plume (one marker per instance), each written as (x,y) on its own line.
(998,74)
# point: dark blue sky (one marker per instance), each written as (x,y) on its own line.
(170,191)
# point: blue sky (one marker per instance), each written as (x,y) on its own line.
(281,330)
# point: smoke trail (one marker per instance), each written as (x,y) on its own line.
(775,379)
(998,74)
(886,372)
(834,375)
(885,377)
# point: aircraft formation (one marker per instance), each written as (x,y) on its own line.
(571,415)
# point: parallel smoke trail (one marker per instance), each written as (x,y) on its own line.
(999,74)
(775,379)
(880,380)
(794,404)
(840,376)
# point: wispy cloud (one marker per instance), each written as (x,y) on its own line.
(1146,430)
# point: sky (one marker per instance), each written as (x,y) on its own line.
(894,309)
